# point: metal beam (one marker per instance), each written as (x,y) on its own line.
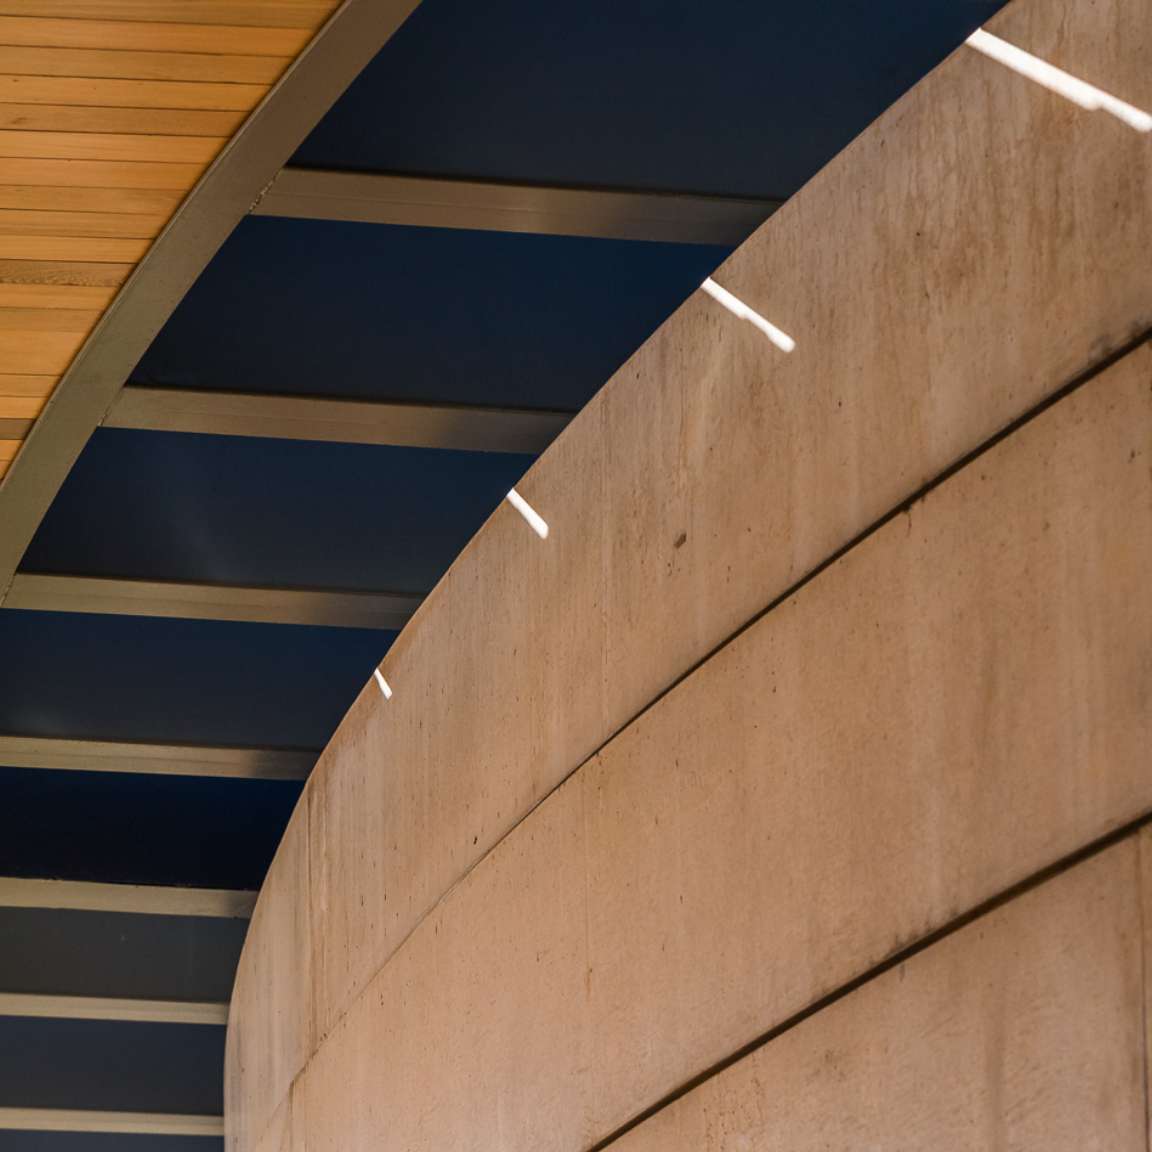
(104,1008)
(345,421)
(149,1123)
(334,609)
(205,219)
(145,900)
(157,759)
(383,198)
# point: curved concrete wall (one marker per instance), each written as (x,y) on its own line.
(653,790)
(1020,1031)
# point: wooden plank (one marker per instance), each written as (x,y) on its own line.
(56,199)
(133,899)
(3,468)
(256,13)
(8,449)
(28,222)
(144,121)
(20,407)
(63,272)
(128,93)
(114,64)
(153,37)
(377,198)
(101,173)
(26,384)
(110,1008)
(25,295)
(463,428)
(14,427)
(134,1123)
(110,146)
(97,249)
(38,351)
(47,319)
(60,755)
(321,607)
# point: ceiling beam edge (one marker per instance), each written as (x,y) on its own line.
(44,592)
(78,755)
(123,1009)
(136,899)
(430,202)
(459,427)
(147,1123)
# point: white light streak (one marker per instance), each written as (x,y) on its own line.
(738,308)
(538,523)
(1082,94)
(384,687)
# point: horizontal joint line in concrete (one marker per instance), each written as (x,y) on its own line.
(1076,382)
(903,955)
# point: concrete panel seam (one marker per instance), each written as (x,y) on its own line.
(1133,829)
(1082,378)
(1063,392)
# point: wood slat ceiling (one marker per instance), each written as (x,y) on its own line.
(109,112)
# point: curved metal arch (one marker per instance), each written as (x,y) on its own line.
(226,192)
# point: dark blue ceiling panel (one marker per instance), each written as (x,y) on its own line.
(57,951)
(98,1064)
(179,681)
(369,311)
(742,97)
(176,830)
(289,513)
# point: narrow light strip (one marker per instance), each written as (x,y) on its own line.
(738,308)
(1055,80)
(538,523)
(384,686)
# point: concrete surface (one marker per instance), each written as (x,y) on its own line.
(956,702)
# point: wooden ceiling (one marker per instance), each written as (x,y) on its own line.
(110,110)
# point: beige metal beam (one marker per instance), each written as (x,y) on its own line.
(148,900)
(103,1008)
(157,759)
(149,1123)
(381,198)
(337,609)
(345,421)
